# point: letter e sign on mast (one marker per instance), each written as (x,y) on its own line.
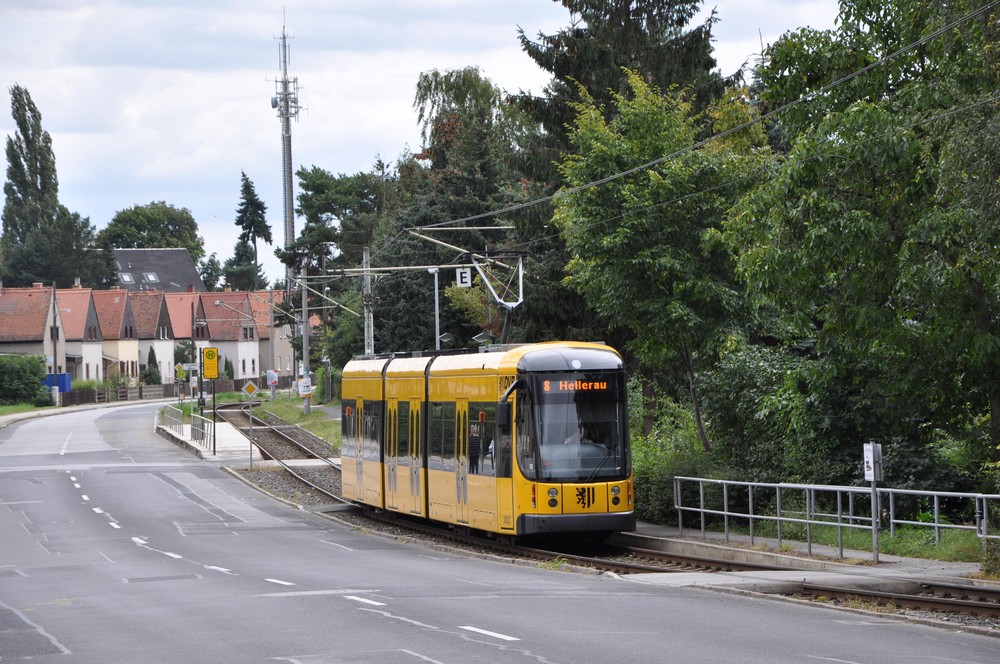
(210,362)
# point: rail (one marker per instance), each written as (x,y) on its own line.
(853,507)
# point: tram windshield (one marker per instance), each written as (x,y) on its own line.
(572,427)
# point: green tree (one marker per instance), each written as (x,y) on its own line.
(32,188)
(605,37)
(151,374)
(645,246)
(251,217)
(875,240)
(241,272)
(156,225)
(210,271)
(42,240)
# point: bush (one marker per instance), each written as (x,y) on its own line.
(23,377)
(672,449)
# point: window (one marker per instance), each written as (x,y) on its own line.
(125,278)
(150,277)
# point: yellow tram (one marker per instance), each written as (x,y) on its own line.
(513,440)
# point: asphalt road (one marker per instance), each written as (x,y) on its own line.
(116,546)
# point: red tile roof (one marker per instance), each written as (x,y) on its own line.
(110,306)
(74,305)
(24,313)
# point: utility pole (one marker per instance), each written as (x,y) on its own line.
(306,330)
(286,101)
(367,296)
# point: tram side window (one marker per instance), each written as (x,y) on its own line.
(403,429)
(482,422)
(373,431)
(441,445)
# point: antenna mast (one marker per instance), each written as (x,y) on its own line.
(286,101)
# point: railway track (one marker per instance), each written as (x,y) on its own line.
(284,445)
(933,596)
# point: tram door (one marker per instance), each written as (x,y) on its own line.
(462,460)
(392,453)
(410,443)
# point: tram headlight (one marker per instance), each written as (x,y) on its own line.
(553,497)
(615,490)
(553,492)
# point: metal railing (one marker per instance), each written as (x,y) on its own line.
(203,431)
(172,418)
(852,507)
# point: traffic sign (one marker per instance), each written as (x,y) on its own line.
(210,362)
(272,377)
(250,389)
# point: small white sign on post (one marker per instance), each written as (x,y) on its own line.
(873,462)
(463,277)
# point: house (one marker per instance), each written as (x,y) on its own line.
(166,270)
(30,324)
(154,331)
(84,341)
(233,330)
(187,322)
(276,350)
(121,343)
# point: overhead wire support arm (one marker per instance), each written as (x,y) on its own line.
(326,297)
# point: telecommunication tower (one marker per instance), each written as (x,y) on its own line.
(286,101)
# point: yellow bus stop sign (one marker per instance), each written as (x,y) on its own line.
(210,362)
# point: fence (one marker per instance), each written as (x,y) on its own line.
(108,395)
(865,508)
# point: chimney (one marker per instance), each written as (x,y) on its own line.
(76,282)
(38,284)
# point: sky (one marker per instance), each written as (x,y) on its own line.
(170,100)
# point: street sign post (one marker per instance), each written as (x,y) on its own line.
(250,389)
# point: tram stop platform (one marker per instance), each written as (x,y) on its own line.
(795,563)
(226,446)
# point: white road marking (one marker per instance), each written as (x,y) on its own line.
(76,485)
(85,497)
(308,593)
(114,525)
(419,656)
(221,569)
(97,510)
(495,635)
(337,544)
(363,600)
(280,582)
